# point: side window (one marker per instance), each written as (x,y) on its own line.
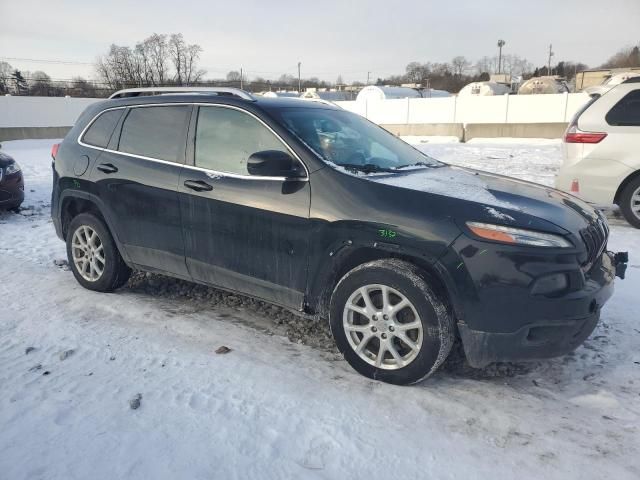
(626,112)
(156,132)
(100,131)
(226,138)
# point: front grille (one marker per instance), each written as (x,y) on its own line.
(595,239)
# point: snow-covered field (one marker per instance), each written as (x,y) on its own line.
(272,408)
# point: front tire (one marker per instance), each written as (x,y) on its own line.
(389,323)
(93,256)
(630,202)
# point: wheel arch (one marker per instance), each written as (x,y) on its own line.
(73,203)
(325,283)
(630,178)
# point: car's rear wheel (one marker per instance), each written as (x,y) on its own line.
(389,323)
(630,202)
(93,256)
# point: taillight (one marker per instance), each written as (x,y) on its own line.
(54,150)
(573,135)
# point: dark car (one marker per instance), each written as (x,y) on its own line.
(11,183)
(318,210)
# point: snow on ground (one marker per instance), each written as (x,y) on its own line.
(537,160)
(272,408)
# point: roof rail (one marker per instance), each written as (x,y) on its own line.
(632,80)
(134,92)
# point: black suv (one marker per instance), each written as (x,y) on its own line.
(316,209)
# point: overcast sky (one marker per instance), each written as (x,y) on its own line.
(329,37)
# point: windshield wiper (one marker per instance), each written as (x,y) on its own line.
(417,164)
(366,168)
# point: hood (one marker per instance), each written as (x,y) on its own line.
(5,159)
(501,199)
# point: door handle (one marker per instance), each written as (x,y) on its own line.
(198,185)
(107,168)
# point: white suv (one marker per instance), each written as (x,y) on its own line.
(601,151)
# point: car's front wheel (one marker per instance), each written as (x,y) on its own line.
(389,323)
(630,202)
(93,256)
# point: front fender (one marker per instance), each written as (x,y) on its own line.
(337,248)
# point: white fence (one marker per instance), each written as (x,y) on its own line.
(41,111)
(553,108)
(63,111)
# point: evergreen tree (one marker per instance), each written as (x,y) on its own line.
(19,83)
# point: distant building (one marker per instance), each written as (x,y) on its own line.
(590,78)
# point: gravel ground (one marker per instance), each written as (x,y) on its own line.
(261,315)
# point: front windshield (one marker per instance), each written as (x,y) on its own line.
(348,140)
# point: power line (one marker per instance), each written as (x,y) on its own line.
(36,60)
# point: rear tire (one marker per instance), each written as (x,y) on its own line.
(389,323)
(93,256)
(630,200)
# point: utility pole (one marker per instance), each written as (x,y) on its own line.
(501,43)
(299,82)
(241,82)
(368,74)
(550,55)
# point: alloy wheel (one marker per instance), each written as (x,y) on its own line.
(635,202)
(88,253)
(382,326)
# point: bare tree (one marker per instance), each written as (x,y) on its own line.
(484,65)
(157,52)
(149,63)
(460,65)
(185,59)
(5,77)
(40,84)
(417,72)
(626,57)
(233,76)
(79,87)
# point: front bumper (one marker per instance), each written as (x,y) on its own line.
(535,341)
(550,337)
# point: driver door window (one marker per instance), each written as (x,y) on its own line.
(226,138)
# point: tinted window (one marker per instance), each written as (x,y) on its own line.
(156,132)
(626,112)
(101,130)
(226,138)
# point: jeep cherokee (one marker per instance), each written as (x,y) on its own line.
(316,209)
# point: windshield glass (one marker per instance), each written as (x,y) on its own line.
(348,140)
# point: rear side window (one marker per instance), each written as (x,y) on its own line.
(226,138)
(100,131)
(626,113)
(156,132)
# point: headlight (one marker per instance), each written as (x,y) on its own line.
(12,168)
(517,236)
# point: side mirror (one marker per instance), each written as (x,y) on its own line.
(273,163)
